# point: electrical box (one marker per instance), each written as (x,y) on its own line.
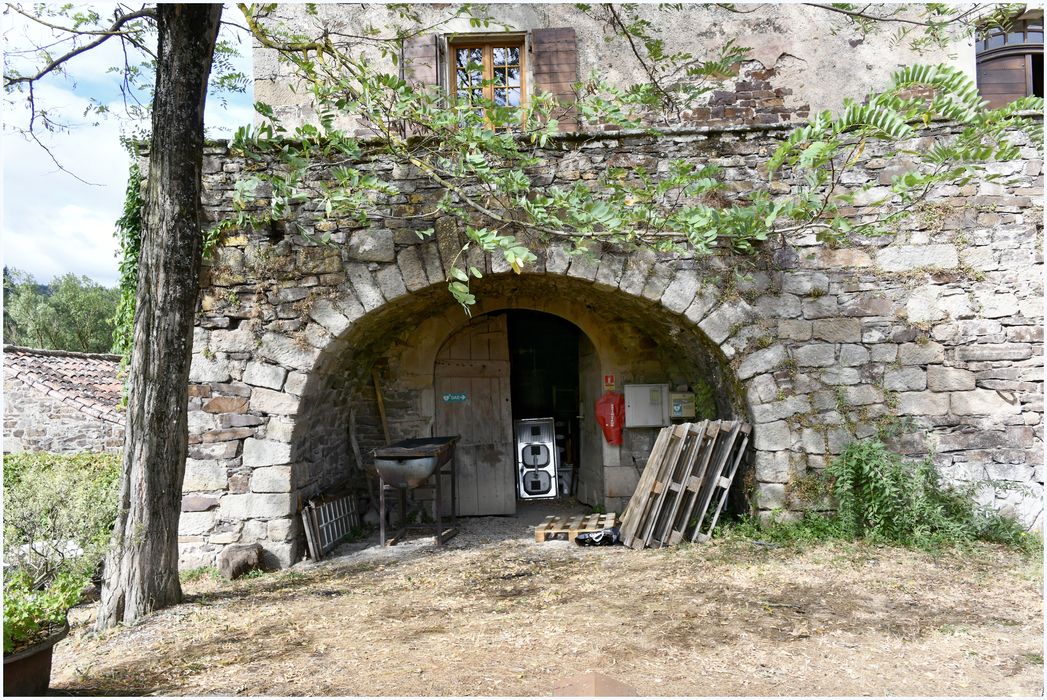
(646,405)
(681,405)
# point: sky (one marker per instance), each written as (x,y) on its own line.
(52,222)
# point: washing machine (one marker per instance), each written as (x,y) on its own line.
(537,459)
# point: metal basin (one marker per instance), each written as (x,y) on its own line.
(408,463)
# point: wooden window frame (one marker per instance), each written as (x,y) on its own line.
(486,44)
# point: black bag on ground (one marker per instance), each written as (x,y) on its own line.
(600,538)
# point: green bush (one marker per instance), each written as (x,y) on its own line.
(59,512)
(882,497)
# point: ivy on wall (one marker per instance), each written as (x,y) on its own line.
(129,236)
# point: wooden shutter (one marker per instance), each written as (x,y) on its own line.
(1004,79)
(421,60)
(554,66)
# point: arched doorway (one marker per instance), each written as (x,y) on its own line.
(500,371)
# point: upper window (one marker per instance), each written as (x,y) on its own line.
(488,70)
(1010,62)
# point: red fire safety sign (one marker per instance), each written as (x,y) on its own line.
(610,414)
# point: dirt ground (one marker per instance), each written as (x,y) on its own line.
(494,616)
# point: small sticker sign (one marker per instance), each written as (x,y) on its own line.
(608,381)
(455,398)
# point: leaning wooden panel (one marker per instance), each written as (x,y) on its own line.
(632,511)
(696,481)
(650,516)
(654,488)
(723,481)
(681,477)
(723,497)
(721,461)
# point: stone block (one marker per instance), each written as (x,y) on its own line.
(815,355)
(235,507)
(770,496)
(265,375)
(198,421)
(761,362)
(280,555)
(282,529)
(239,559)
(225,404)
(941,378)
(637,268)
(263,453)
(391,282)
(279,429)
(274,402)
(271,505)
(884,352)
(899,258)
(197,504)
(271,479)
(680,292)
(838,330)
(704,300)
(922,403)
(659,279)
(367,292)
(983,402)
(773,436)
(905,379)
(853,355)
(197,523)
(836,376)
(778,410)
(991,352)
(295,383)
(214,450)
(725,321)
(323,312)
(240,340)
(203,475)
(287,352)
(920,353)
(795,330)
(772,467)
(373,245)
(804,283)
(833,259)
(203,369)
(412,269)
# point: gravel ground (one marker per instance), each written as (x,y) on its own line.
(494,613)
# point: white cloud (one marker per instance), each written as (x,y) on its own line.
(52,223)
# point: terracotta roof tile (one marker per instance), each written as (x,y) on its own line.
(88,382)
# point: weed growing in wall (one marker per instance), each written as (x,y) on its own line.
(883,498)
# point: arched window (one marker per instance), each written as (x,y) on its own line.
(1010,61)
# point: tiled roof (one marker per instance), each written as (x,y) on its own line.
(85,381)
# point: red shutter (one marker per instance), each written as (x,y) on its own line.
(554,66)
(422,59)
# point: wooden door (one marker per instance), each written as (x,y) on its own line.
(473,400)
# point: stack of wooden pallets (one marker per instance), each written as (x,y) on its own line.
(684,486)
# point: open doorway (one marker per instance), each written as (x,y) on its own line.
(503,368)
(543,356)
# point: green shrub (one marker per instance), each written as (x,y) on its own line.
(882,497)
(59,512)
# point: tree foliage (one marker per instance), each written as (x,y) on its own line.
(485,160)
(71,313)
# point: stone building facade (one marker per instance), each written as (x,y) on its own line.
(57,401)
(931,338)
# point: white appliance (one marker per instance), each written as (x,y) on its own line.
(537,458)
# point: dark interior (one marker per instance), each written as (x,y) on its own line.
(543,352)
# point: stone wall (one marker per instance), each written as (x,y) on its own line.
(37,422)
(933,336)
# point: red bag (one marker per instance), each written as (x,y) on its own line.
(610,414)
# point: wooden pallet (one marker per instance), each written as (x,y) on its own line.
(553,527)
(683,487)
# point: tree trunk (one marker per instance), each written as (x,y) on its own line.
(141,570)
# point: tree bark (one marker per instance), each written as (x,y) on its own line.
(141,570)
